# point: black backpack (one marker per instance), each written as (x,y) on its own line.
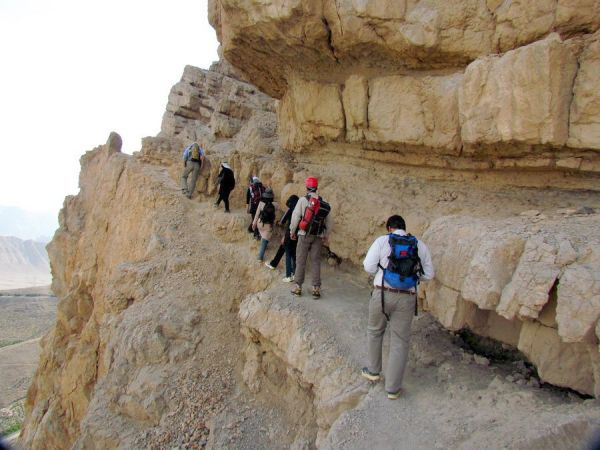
(267,215)
(317,224)
(256,192)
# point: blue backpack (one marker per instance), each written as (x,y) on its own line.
(404,267)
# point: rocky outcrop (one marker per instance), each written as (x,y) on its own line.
(473,119)
(108,369)
(470,80)
(445,112)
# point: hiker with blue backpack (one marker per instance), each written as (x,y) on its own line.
(399,262)
(264,220)
(193,162)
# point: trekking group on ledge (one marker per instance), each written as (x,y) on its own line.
(397,260)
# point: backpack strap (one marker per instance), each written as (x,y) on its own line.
(387,316)
(419,273)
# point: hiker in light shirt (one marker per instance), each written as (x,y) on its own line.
(312,233)
(193,162)
(264,221)
(394,299)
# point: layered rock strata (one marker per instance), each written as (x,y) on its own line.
(455,85)
(154,291)
(476,120)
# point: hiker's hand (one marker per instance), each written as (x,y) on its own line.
(325,242)
(282,240)
(293,236)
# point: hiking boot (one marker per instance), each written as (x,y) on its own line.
(394,395)
(297,291)
(288,279)
(269,266)
(369,375)
(316,292)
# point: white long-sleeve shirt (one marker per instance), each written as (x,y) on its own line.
(380,251)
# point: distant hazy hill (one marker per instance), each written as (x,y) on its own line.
(27,224)
(23,263)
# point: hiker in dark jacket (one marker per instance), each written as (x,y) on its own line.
(288,246)
(253,196)
(226,185)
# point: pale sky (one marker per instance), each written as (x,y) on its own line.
(73,71)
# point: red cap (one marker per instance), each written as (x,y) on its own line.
(311,183)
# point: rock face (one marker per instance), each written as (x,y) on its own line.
(473,119)
(394,102)
(489,85)
(125,240)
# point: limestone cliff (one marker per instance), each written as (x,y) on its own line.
(473,119)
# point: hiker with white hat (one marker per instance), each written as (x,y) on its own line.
(226,182)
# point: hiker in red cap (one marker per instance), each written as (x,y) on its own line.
(311,224)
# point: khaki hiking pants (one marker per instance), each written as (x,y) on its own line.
(191,167)
(400,308)
(308,245)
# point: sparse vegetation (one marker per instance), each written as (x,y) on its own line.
(12,429)
(11,418)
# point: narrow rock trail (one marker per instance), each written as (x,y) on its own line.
(250,366)
(450,401)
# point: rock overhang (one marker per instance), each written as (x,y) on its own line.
(501,82)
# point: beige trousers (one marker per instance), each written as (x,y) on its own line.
(400,308)
(188,186)
(308,245)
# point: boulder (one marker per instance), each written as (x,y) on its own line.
(521,96)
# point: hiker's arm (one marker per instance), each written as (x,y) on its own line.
(425,256)
(201,162)
(286,217)
(371,261)
(328,224)
(296,216)
(257,215)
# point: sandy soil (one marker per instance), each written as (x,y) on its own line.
(17,365)
(25,316)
